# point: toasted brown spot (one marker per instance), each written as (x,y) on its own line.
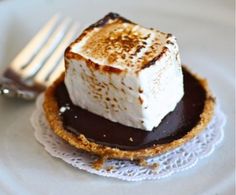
(113,85)
(138,49)
(169,35)
(123,56)
(112,58)
(74,71)
(169,42)
(111,69)
(106,106)
(93,65)
(140,100)
(148,64)
(145,38)
(82,76)
(140,90)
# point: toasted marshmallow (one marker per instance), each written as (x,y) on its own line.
(124,72)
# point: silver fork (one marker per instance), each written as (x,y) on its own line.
(40,62)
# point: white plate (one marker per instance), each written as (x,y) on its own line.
(205,32)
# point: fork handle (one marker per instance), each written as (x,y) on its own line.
(11,86)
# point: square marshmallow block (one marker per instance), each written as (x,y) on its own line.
(124,72)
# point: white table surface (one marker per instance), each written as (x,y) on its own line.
(205,32)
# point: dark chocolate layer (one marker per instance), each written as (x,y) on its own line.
(102,131)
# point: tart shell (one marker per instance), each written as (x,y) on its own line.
(51,110)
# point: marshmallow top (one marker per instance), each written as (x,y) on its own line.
(124,72)
(118,43)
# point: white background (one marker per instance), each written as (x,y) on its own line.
(205,32)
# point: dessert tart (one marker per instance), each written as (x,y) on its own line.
(95,134)
(124,93)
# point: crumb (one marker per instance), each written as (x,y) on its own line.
(154,166)
(131,139)
(75,116)
(62,109)
(142,162)
(97,164)
(104,135)
(109,168)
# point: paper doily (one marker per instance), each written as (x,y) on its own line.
(177,160)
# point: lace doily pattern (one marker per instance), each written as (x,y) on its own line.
(158,167)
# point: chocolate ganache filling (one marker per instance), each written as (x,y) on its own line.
(105,132)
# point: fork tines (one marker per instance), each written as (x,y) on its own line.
(41,61)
